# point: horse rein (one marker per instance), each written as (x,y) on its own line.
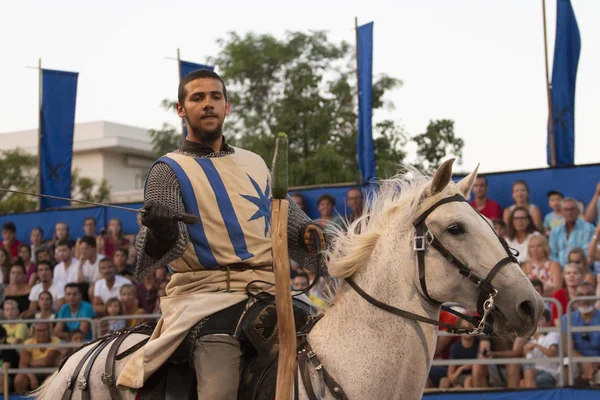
(487,293)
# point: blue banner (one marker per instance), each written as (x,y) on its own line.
(186,67)
(564,75)
(59,93)
(364,143)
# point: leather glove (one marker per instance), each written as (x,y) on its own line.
(158,217)
(314,245)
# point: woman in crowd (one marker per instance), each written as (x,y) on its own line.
(30,266)
(113,240)
(573,276)
(17,289)
(540,266)
(4,265)
(520,195)
(521,229)
(36,237)
(61,232)
(89,229)
(326,205)
(577,256)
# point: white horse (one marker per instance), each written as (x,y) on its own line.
(372,353)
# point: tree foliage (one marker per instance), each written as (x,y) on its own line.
(436,143)
(304,85)
(18,171)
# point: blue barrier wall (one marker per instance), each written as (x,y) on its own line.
(579,182)
(546,394)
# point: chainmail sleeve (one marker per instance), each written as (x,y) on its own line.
(162,186)
(297,223)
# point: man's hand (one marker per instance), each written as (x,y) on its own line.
(158,217)
(309,238)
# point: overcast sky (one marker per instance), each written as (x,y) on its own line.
(478,62)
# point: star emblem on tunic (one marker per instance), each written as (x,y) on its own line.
(263,203)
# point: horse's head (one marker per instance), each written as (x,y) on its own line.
(457,256)
(466,262)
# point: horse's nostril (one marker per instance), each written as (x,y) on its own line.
(527,309)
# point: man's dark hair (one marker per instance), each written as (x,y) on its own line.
(72,285)
(122,250)
(64,242)
(482,177)
(327,197)
(90,219)
(198,74)
(106,260)
(303,275)
(25,246)
(9,226)
(47,263)
(89,240)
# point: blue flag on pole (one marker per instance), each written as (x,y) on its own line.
(564,75)
(59,93)
(187,67)
(364,143)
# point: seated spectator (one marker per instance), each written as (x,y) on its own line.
(554,218)
(74,308)
(486,206)
(540,266)
(592,211)
(67,269)
(147,292)
(47,357)
(354,201)
(325,205)
(7,356)
(574,233)
(108,286)
(573,276)
(498,375)
(45,310)
(17,289)
(30,267)
(61,234)
(464,349)
(114,240)
(89,259)
(15,332)
(541,345)
(47,283)
(5,265)
(521,229)
(43,254)
(578,256)
(442,350)
(113,308)
(298,198)
(130,305)
(594,251)
(9,240)
(36,237)
(89,229)
(499,227)
(520,195)
(120,260)
(585,343)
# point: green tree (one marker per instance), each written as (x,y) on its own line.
(18,171)
(438,142)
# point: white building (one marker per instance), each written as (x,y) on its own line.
(119,153)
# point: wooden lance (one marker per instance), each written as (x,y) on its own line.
(281,262)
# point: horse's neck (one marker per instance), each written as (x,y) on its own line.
(373,353)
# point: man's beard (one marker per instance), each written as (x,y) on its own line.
(205,136)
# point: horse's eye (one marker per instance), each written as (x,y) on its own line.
(455,230)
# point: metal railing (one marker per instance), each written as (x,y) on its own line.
(109,318)
(572,329)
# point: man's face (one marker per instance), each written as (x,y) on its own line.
(204,109)
(570,211)
(72,296)
(479,188)
(300,283)
(120,258)
(63,253)
(10,311)
(89,227)
(44,256)
(87,251)
(107,269)
(44,272)
(42,333)
(7,235)
(354,199)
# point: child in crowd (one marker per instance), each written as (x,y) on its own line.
(113,309)
(15,333)
(554,218)
(541,345)
(130,304)
(465,348)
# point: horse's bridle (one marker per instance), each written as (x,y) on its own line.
(487,293)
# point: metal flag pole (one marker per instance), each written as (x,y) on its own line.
(39,155)
(549,94)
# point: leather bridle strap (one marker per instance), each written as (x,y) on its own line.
(406,314)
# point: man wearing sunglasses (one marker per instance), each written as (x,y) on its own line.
(586,344)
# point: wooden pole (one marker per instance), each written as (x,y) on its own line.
(179,72)
(5,367)
(286,365)
(39,158)
(549,94)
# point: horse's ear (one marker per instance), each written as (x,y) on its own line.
(442,177)
(466,184)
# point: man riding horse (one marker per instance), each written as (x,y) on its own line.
(214,260)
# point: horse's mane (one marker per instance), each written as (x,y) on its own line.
(407,192)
